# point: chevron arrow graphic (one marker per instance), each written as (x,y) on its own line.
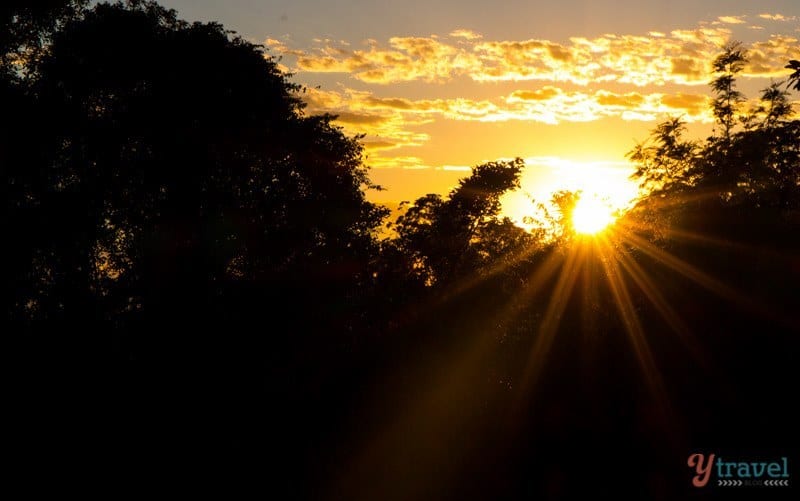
(776,483)
(729,483)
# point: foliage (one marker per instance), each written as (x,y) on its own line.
(26,29)
(756,165)
(445,238)
(172,150)
(667,163)
(794,78)
(193,279)
(727,99)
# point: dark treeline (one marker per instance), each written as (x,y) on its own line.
(196,292)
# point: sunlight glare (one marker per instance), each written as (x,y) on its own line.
(591,215)
(609,181)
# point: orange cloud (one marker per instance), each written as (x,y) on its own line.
(693,105)
(777,17)
(767,59)
(468,34)
(575,80)
(689,68)
(542,94)
(351,118)
(629,100)
(681,56)
(406,59)
(731,19)
(380,121)
(389,118)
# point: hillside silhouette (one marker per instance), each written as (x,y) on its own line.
(197,293)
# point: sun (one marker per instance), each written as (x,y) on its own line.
(591,215)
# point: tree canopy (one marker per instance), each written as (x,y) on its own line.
(753,158)
(194,279)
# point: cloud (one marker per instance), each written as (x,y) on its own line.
(612,76)
(693,105)
(360,118)
(468,34)
(318,99)
(688,69)
(542,94)
(397,103)
(405,59)
(578,106)
(282,48)
(377,144)
(682,56)
(777,17)
(403,162)
(388,121)
(731,19)
(767,59)
(455,168)
(383,126)
(629,100)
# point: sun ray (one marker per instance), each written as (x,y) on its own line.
(465,284)
(662,306)
(728,245)
(707,281)
(685,269)
(630,319)
(472,280)
(551,318)
(628,228)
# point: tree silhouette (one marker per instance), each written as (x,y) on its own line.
(193,281)
(166,193)
(794,78)
(445,238)
(667,164)
(727,99)
(174,151)
(756,166)
(26,28)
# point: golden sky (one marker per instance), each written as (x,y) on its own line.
(570,86)
(430,107)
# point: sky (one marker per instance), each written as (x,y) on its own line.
(568,85)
